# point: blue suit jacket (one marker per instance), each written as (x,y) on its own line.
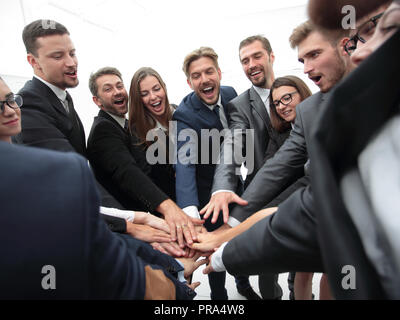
(50,217)
(194,181)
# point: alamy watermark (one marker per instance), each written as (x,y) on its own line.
(349,20)
(48,24)
(201,149)
(49,280)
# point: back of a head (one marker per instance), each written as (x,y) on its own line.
(329,14)
(40,28)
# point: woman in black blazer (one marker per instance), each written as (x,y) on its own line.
(149,121)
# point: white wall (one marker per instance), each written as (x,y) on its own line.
(156,33)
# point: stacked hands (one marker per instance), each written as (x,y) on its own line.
(185,238)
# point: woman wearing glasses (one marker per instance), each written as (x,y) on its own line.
(10,114)
(286,93)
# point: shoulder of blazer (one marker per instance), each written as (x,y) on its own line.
(36,89)
(227,94)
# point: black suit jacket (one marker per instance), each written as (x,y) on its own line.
(247,111)
(287,165)
(120,165)
(308,235)
(360,107)
(59,226)
(46,124)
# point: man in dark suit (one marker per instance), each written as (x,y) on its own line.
(250,110)
(203,109)
(49,119)
(118,162)
(283,169)
(359,262)
(326,62)
(56,245)
(357,190)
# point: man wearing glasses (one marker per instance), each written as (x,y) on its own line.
(364,30)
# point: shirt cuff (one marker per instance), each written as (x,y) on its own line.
(181,274)
(124,214)
(192,212)
(233,222)
(218,191)
(216,259)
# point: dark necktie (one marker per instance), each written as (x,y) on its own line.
(126,126)
(216,110)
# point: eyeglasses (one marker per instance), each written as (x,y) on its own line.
(364,33)
(14,101)
(285,100)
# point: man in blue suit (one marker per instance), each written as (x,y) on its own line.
(55,244)
(200,113)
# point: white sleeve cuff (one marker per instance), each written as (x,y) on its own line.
(124,214)
(233,222)
(192,212)
(218,191)
(216,259)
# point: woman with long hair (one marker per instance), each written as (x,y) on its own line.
(149,116)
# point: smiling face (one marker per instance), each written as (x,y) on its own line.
(153,96)
(204,79)
(285,94)
(111,95)
(322,62)
(10,119)
(257,64)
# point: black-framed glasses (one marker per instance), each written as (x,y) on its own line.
(364,33)
(14,101)
(285,100)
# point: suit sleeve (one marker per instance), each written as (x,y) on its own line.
(282,242)
(116,268)
(186,181)
(108,152)
(40,129)
(228,170)
(276,174)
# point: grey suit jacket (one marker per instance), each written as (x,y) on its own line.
(286,166)
(247,111)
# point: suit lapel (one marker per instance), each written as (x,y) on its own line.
(210,118)
(47,92)
(257,104)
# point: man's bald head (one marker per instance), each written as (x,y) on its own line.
(328,13)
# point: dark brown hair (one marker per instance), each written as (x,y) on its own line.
(40,28)
(140,119)
(101,72)
(265,42)
(277,122)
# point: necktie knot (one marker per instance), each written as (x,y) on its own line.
(216,110)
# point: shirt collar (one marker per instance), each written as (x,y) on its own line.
(120,120)
(60,93)
(263,93)
(212,106)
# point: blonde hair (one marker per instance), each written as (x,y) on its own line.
(197,54)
